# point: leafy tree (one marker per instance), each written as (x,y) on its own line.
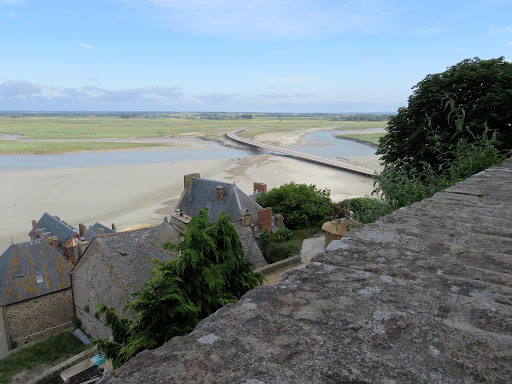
(430,124)
(303,206)
(210,273)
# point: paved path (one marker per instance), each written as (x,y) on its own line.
(303,156)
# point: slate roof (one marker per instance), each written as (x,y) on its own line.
(128,254)
(31,269)
(202,193)
(52,224)
(96,230)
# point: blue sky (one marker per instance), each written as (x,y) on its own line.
(237,55)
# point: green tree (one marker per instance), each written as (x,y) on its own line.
(210,273)
(430,125)
(302,205)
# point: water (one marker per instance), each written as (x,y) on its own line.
(97,159)
(335,148)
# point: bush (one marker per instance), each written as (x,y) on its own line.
(277,251)
(365,209)
(303,206)
(427,132)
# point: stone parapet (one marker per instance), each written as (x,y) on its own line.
(424,295)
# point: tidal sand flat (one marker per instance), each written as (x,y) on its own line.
(130,195)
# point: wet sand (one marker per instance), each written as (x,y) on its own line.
(144,194)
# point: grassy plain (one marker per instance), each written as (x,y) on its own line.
(96,128)
(370,137)
(55,147)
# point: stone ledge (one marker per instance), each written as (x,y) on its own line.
(424,295)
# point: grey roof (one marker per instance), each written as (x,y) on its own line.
(128,254)
(202,193)
(31,269)
(52,224)
(96,230)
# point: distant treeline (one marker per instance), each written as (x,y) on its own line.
(208,115)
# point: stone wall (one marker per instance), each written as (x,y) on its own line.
(92,283)
(4,345)
(36,318)
(424,295)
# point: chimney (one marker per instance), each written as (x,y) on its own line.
(265,220)
(259,188)
(53,241)
(38,233)
(187,179)
(82,246)
(34,226)
(81,229)
(68,251)
(220,193)
(246,218)
(114,227)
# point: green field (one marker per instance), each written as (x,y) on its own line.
(93,128)
(369,137)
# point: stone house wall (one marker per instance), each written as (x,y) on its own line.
(4,346)
(33,319)
(93,283)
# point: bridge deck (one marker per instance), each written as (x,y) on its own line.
(303,156)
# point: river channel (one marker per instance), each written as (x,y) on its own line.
(320,143)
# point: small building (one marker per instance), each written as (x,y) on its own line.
(96,230)
(335,229)
(219,197)
(49,226)
(112,268)
(35,293)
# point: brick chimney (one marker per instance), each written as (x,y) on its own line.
(220,193)
(265,220)
(34,226)
(114,227)
(259,187)
(68,251)
(187,179)
(81,229)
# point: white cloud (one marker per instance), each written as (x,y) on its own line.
(271,18)
(27,95)
(12,89)
(85,45)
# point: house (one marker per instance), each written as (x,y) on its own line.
(220,197)
(35,293)
(95,230)
(49,225)
(113,267)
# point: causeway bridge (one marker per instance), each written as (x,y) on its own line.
(302,156)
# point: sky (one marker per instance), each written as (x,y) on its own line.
(307,56)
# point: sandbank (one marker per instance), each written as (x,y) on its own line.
(144,194)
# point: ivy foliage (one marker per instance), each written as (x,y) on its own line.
(210,273)
(302,205)
(431,125)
